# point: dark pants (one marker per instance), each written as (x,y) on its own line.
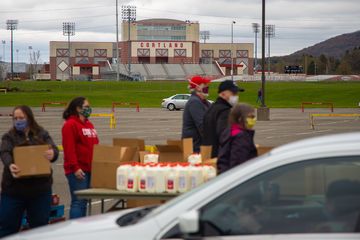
(78,206)
(12,210)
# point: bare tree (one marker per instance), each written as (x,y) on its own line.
(34,64)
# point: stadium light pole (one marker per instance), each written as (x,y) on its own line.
(270,33)
(69,30)
(256,29)
(3,54)
(117,42)
(204,35)
(12,25)
(263,112)
(129,15)
(232,49)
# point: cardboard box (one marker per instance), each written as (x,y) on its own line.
(32,161)
(185,145)
(131,142)
(170,153)
(106,160)
(205,152)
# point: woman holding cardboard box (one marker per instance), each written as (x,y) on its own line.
(78,138)
(33,193)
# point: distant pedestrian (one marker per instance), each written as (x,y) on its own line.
(217,117)
(194,111)
(237,141)
(19,195)
(259,96)
(78,137)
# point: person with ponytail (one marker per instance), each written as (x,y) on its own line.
(237,141)
(78,139)
(32,195)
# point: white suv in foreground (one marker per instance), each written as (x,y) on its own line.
(305,190)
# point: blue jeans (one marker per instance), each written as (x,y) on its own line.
(78,206)
(12,209)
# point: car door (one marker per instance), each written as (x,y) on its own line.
(309,199)
(177,101)
(183,101)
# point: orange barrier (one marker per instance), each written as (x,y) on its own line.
(44,104)
(115,104)
(330,105)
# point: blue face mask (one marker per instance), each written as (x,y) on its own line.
(21,125)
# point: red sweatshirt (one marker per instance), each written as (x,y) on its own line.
(78,140)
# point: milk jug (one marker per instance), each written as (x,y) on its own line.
(196,176)
(151,179)
(172,180)
(132,182)
(183,177)
(121,177)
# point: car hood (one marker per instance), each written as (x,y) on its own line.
(74,228)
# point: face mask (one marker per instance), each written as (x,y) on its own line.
(20,125)
(86,112)
(233,100)
(250,123)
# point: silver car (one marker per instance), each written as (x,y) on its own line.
(175,102)
(304,190)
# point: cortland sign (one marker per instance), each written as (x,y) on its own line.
(162,45)
(186,48)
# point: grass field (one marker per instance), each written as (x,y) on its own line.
(150,94)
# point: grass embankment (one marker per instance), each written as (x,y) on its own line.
(150,94)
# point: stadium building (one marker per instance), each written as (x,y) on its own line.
(157,49)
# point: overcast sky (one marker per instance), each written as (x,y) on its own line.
(299,23)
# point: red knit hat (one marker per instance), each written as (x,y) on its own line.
(197,80)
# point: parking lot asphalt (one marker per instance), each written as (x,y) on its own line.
(158,125)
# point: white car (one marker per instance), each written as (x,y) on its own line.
(175,102)
(304,190)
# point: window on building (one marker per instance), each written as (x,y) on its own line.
(179,52)
(82,52)
(62,52)
(242,53)
(100,53)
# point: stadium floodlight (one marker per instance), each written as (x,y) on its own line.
(12,25)
(128,13)
(69,30)
(269,33)
(256,30)
(232,50)
(204,35)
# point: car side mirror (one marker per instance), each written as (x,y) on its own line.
(189,223)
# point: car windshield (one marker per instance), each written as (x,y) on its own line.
(180,198)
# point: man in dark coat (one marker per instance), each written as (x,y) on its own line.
(194,111)
(216,118)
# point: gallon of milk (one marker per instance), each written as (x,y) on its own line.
(121,177)
(194,159)
(151,179)
(183,178)
(142,179)
(132,181)
(172,180)
(196,176)
(209,172)
(161,172)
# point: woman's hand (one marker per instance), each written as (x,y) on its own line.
(79,174)
(49,154)
(14,169)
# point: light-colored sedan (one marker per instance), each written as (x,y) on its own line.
(175,102)
(305,190)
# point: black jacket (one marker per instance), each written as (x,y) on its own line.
(235,150)
(215,122)
(25,186)
(193,118)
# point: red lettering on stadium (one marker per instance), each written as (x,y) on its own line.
(162,44)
